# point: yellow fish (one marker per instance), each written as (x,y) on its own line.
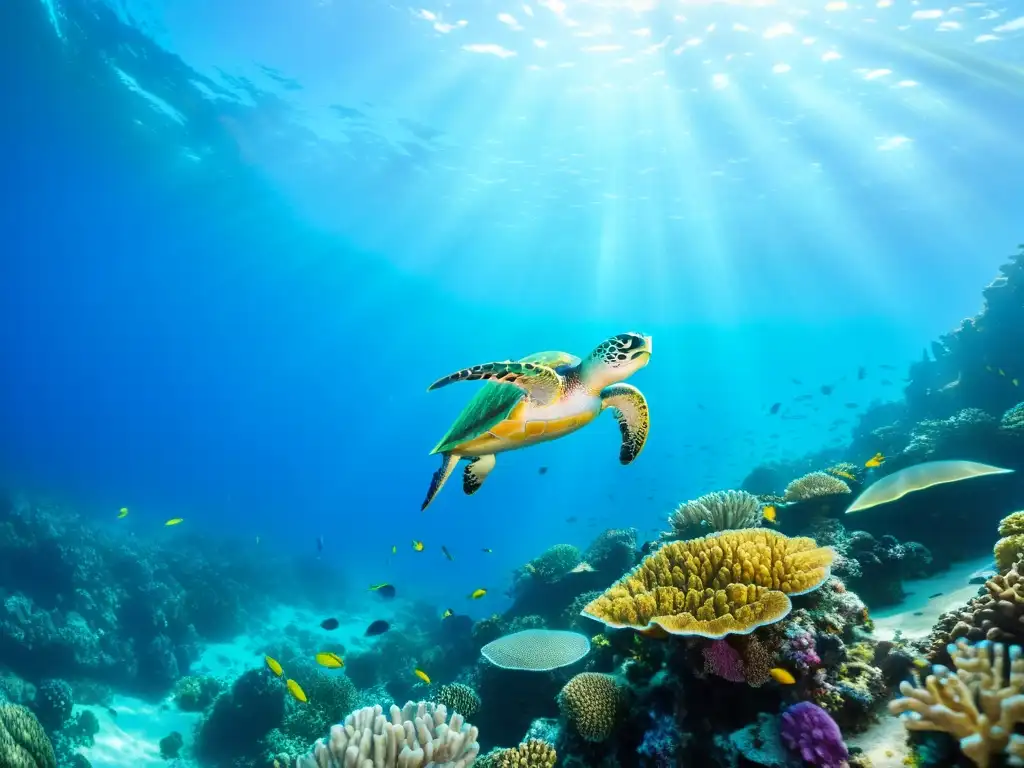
(122,513)
(447,613)
(783,676)
(296,690)
(875,461)
(422,675)
(769,513)
(394,549)
(273,665)
(330,660)
(843,474)
(921,663)
(476,594)
(175,521)
(417,545)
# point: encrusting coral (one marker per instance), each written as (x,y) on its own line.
(592,701)
(979,704)
(416,735)
(727,583)
(531,754)
(23,742)
(814,485)
(719,511)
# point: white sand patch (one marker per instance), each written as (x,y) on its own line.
(927,599)
(132,739)
(885,742)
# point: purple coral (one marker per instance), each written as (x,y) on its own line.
(810,731)
(723,660)
(798,648)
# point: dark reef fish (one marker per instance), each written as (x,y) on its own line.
(379,627)
(387,591)
(330,624)
(775,408)
(447,554)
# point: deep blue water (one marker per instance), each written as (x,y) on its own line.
(237,245)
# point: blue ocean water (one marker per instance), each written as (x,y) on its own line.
(240,241)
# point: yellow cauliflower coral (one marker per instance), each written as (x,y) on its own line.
(727,583)
(591,702)
(1011,546)
(533,754)
(23,742)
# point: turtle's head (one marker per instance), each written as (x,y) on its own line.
(616,360)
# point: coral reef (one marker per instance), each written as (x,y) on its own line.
(1011,543)
(534,753)
(979,705)
(613,551)
(714,512)
(727,583)
(537,650)
(810,732)
(416,735)
(23,742)
(814,485)
(458,697)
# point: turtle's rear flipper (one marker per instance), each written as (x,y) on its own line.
(476,472)
(448,462)
(633,416)
(541,383)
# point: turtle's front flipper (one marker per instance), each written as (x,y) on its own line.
(448,462)
(633,416)
(476,472)
(539,382)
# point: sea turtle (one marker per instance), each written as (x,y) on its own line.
(543,397)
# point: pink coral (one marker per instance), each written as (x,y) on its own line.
(798,647)
(723,660)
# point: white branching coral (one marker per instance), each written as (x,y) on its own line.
(978,705)
(415,736)
(714,512)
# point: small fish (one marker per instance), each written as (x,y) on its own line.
(1015,382)
(422,675)
(447,554)
(782,676)
(417,545)
(123,513)
(542,470)
(488,550)
(273,665)
(1002,372)
(112,712)
(379,627)
(296,690)
(572,519)
(861,373)
(937,594)
(476,594)
(387,591)
(826,389)
(330,624)
(394,549)
(775,408)
(329,660)
(918,613)
(770,513)
(175,521)
(875,461)
(448,613)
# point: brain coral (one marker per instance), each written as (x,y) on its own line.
(814,485)
(23,742)
(727,583)
(591,701)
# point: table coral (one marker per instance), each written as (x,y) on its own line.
(592,701)
(727,583)
(979,705)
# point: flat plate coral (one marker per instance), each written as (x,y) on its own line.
(917,478)
(727,583)
(537,650)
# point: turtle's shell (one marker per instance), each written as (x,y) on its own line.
(495,401)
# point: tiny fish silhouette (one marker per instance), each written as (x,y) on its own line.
(542,470)
(826,389)
(775,408)
(330,624)
(861,373)
(379,627)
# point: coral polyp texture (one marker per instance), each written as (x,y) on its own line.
(814,485)
(727,583)
(531,754)
(713,512)
(592,702)
(23,742)
(1010,547)
(460,698)
(979,704)
(537,650)
(416,735)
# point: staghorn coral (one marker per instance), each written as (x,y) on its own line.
(713,512)
(23,742)
(814,485)
(979,704)
(458,697)
(591,702)
(534,753)
(727,583)
(416,735)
